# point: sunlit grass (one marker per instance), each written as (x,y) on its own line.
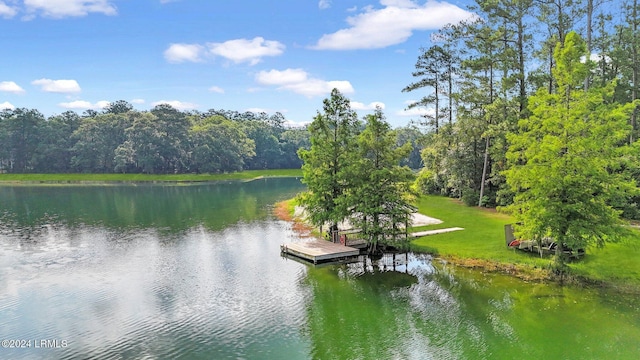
(74,178)
(619,262)
(484,239)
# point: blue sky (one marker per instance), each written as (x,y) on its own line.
(244,55)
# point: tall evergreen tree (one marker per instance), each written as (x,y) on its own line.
(380,194)
(327,162)
(435,70)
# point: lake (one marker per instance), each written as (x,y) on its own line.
(194,271)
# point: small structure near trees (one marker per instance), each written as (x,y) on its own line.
(356,175)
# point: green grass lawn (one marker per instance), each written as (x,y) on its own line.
(483,239)
(72,178)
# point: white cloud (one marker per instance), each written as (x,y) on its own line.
(216,89)
(10,86)
(58,86)
(371,106)
(6,105)
(83,105)
(317,87)
(416,111)
(179,105)
(103,104)
(7,11)
(137,101)
(177,53)
(66,8)
(277,77)
(244,50)
(298,81)
(238,51)
(324,4)
(400,3)
(259,110)
(393,24)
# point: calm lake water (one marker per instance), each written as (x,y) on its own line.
(194,271)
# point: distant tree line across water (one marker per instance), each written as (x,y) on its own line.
(163,140)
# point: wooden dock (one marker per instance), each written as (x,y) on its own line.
(317,251)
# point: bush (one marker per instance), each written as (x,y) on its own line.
(426,182)
(470,197)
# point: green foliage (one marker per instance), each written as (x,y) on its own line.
(413,136)
(566,160)
(356,176)
(470,197)
(327,164)
(20,134)
(435,69)
(163,140)
(290,141)
(380,189)
(54,151)
(219,145)
(266,144)
(426,182)
(118,107)
(97,139)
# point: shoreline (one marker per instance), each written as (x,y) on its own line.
(284,210)
(140,179)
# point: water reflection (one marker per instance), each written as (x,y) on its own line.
(135,292)
(204,279)
(166,208)
(378,309)
(430,310)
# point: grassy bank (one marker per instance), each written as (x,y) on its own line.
(482,243)
(106,178)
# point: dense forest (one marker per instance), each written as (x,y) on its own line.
(478,79)
(160,141)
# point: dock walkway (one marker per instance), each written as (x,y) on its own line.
(435,232)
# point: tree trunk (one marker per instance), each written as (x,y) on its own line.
(634,60)
(484,170)
(560,261)
(589,31)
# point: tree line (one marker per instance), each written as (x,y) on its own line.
(478,77)
(163,140)
(160,141)
(533,108)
